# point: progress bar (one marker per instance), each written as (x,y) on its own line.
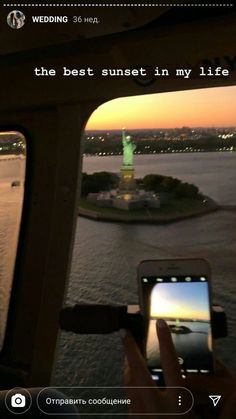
(202,5)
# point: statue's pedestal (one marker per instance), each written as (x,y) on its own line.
(127,181)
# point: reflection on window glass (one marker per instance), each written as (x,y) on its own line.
(12,176)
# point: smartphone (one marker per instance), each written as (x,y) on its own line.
(177,291)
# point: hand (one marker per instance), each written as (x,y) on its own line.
(137,375)
(155,400)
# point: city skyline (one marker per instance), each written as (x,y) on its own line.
(212,107)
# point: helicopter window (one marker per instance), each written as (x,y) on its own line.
(12,176)
(188,142)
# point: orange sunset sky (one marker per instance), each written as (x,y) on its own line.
(212,107)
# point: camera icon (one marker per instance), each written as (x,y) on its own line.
(18,400)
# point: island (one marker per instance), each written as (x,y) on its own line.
(153,199)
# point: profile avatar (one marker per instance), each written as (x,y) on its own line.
(16,19)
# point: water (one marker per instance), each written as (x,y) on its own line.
(105,257)
(194,347)
(12,168)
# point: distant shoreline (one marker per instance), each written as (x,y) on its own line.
(182,151)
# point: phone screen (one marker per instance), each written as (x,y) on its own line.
(183,302)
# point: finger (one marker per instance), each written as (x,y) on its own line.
(132,391)
(136,363)
(136,376)
(169,360)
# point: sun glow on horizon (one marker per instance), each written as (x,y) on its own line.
(180,300)
(211,107)
(161,307)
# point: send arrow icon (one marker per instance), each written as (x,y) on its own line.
(215,399)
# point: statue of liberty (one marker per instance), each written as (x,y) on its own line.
(128,149)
